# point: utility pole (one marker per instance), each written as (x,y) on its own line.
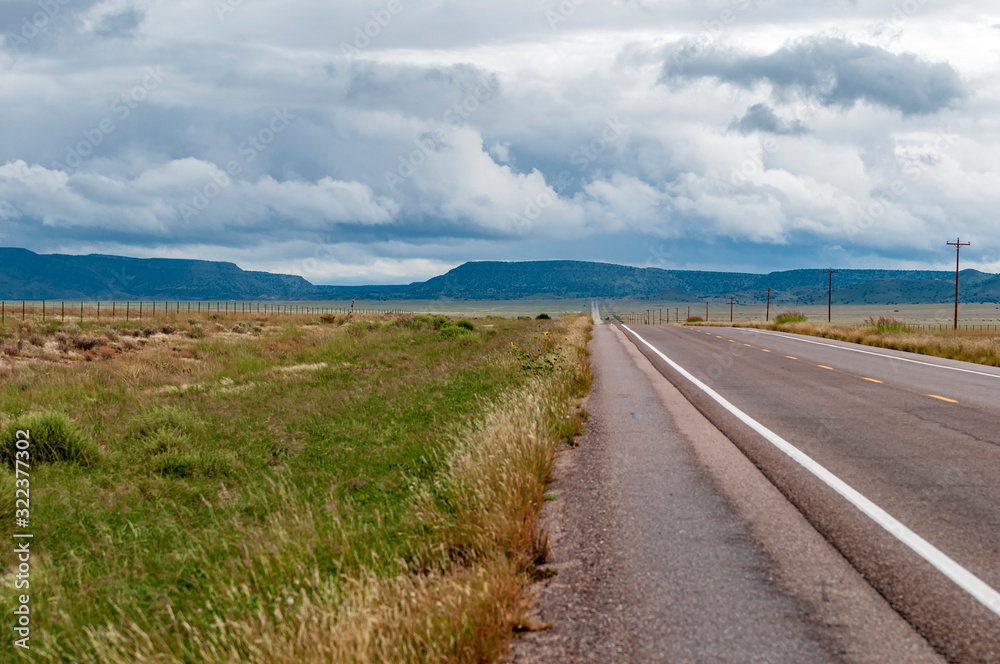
(958,244)
(689,311)
(677,314)
(829,301)
(769,291)
(732,299)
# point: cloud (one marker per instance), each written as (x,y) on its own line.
(185,200)
(761,117)
(835,71)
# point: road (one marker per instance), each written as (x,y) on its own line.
(666,544)
(917,439)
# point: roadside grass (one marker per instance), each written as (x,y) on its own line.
(305,490)
(978,346)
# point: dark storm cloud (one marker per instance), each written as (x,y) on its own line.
(835,71)
(121,24)
(761,117)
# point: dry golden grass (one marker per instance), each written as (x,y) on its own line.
(979,346)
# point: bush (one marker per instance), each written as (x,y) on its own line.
(240,329)
(440,322)
(467,324)
(8,487)
(329,319)
(196,331)
(524,317)
(149,330)
(87,342)
(790,317)
(70,330)
(543,317)
(456,332)
(883,324)
(167,328)
(695,319)
(54,437)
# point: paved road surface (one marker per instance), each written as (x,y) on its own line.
(670,546)
(917,436)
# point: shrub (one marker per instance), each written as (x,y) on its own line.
(36,339)
(524,317)
(439,322)
(884,324)
(8,487)
(70,330)
(105,352)
(695,319)
(467,324)
(543,316)
(87,342)
(149,330)
(329,319)
(790,317)
(54,437)
(111,333)
(167,328)
(359,328)
(196,331)
(240,329)
(456,332)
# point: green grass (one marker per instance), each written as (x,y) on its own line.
(225,474)
(790,317)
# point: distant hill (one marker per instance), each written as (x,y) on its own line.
(27,275)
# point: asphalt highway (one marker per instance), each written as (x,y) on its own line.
(912,445)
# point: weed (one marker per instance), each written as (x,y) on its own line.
(467,324)
(543,316)
(884,324)
(53,437)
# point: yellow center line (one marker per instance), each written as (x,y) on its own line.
(871,380)
(748,345)
(934,396)
(791,358)
(732,341)
(765,350)
(823,366)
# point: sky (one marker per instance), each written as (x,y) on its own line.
(388,141)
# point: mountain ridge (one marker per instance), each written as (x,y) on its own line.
(27,275)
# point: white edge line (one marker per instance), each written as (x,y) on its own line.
(962,577)
(868,352)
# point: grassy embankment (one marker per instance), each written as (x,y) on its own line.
(979,346)
(292,491)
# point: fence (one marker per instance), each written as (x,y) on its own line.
(140,310)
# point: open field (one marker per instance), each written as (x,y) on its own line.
(854,314)
(979,346)
(283,488)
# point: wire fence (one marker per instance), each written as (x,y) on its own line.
(653,317)
(147,309)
